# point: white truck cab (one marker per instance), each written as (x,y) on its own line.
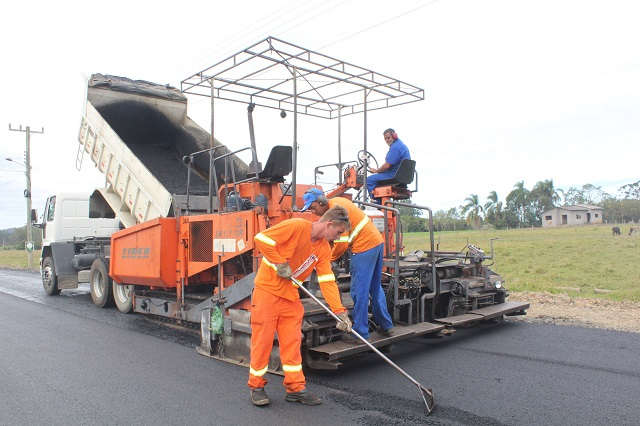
(73,237)
(67,217)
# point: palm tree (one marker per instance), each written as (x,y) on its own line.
(474,209)
(493,207)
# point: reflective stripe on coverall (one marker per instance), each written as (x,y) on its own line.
(269,314)
(276,305)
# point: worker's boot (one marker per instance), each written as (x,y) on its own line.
(386,333)
(304,396)
(259,397)
(351,339)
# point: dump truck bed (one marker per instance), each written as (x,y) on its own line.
(137,134)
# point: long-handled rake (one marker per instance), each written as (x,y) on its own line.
(427,394)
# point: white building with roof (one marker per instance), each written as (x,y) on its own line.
(579,214)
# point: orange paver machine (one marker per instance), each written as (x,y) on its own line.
(187,251)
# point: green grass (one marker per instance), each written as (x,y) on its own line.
(557,260)
(18,259)
(538,259)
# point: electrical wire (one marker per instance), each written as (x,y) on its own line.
(383,20)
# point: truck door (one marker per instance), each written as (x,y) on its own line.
(47,219)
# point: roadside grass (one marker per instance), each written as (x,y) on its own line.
(17,259)
(585,261)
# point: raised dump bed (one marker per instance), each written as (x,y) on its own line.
(137,134)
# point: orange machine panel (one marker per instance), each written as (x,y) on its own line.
(146,254)
(215,238)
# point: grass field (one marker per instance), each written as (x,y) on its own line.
(17,259)
(580,261)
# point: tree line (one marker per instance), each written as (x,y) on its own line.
(14,238)
(523,207)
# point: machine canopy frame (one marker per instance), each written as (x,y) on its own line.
(267,73)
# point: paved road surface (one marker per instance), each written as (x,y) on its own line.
(64,361)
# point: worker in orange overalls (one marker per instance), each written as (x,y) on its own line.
(293,248)
(367,247)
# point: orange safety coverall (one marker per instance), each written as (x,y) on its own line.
(363,235)
(276,305)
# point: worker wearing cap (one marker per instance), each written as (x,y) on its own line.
(398,151)
(367,246)
(293,248)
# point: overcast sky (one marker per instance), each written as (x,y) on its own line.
(515,90)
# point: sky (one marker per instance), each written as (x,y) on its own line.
(515,90)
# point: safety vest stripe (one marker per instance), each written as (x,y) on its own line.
(265,239)
(342,239)
(291,368)
(269,264)
(258,373)
(326,278)
(359,227)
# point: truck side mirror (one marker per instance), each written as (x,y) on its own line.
(34,219)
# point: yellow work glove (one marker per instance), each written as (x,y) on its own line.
(344,324)
(283,270)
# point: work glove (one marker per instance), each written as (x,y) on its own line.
(345,323)
(283,270)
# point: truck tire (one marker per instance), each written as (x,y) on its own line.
(124,302)
(49,277)
(100,284)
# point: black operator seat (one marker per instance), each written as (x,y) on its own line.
(403,177)
(279,164)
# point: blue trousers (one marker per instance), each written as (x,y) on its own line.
(366,279)
(372,180)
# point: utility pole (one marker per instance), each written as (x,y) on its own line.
(27,192)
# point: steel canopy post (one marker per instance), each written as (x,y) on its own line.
(340,145)
(365,172)
(295,141)
(211,163)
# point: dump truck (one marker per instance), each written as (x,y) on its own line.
(188,208)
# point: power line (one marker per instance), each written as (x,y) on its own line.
(383,20)
(240,39)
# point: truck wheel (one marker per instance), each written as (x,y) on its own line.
(100,284)
(49,278)
(124,302)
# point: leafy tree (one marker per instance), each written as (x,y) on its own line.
(518,202)
(15,237)
(411,220)
(449,220)
(588,194)
(408,211)
(631,190)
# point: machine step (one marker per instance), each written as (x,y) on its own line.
(484,314)
(338,350)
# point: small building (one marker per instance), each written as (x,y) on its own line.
(579,214)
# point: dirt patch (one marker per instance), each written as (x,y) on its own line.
(561,309)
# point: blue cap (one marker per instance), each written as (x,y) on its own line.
(309,197)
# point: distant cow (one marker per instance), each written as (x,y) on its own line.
(616,230)
(634,230)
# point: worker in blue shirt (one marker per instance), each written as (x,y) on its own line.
(398,151)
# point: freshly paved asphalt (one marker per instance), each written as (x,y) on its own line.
(64,361)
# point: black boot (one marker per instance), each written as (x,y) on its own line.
(305,397)
(259,397)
